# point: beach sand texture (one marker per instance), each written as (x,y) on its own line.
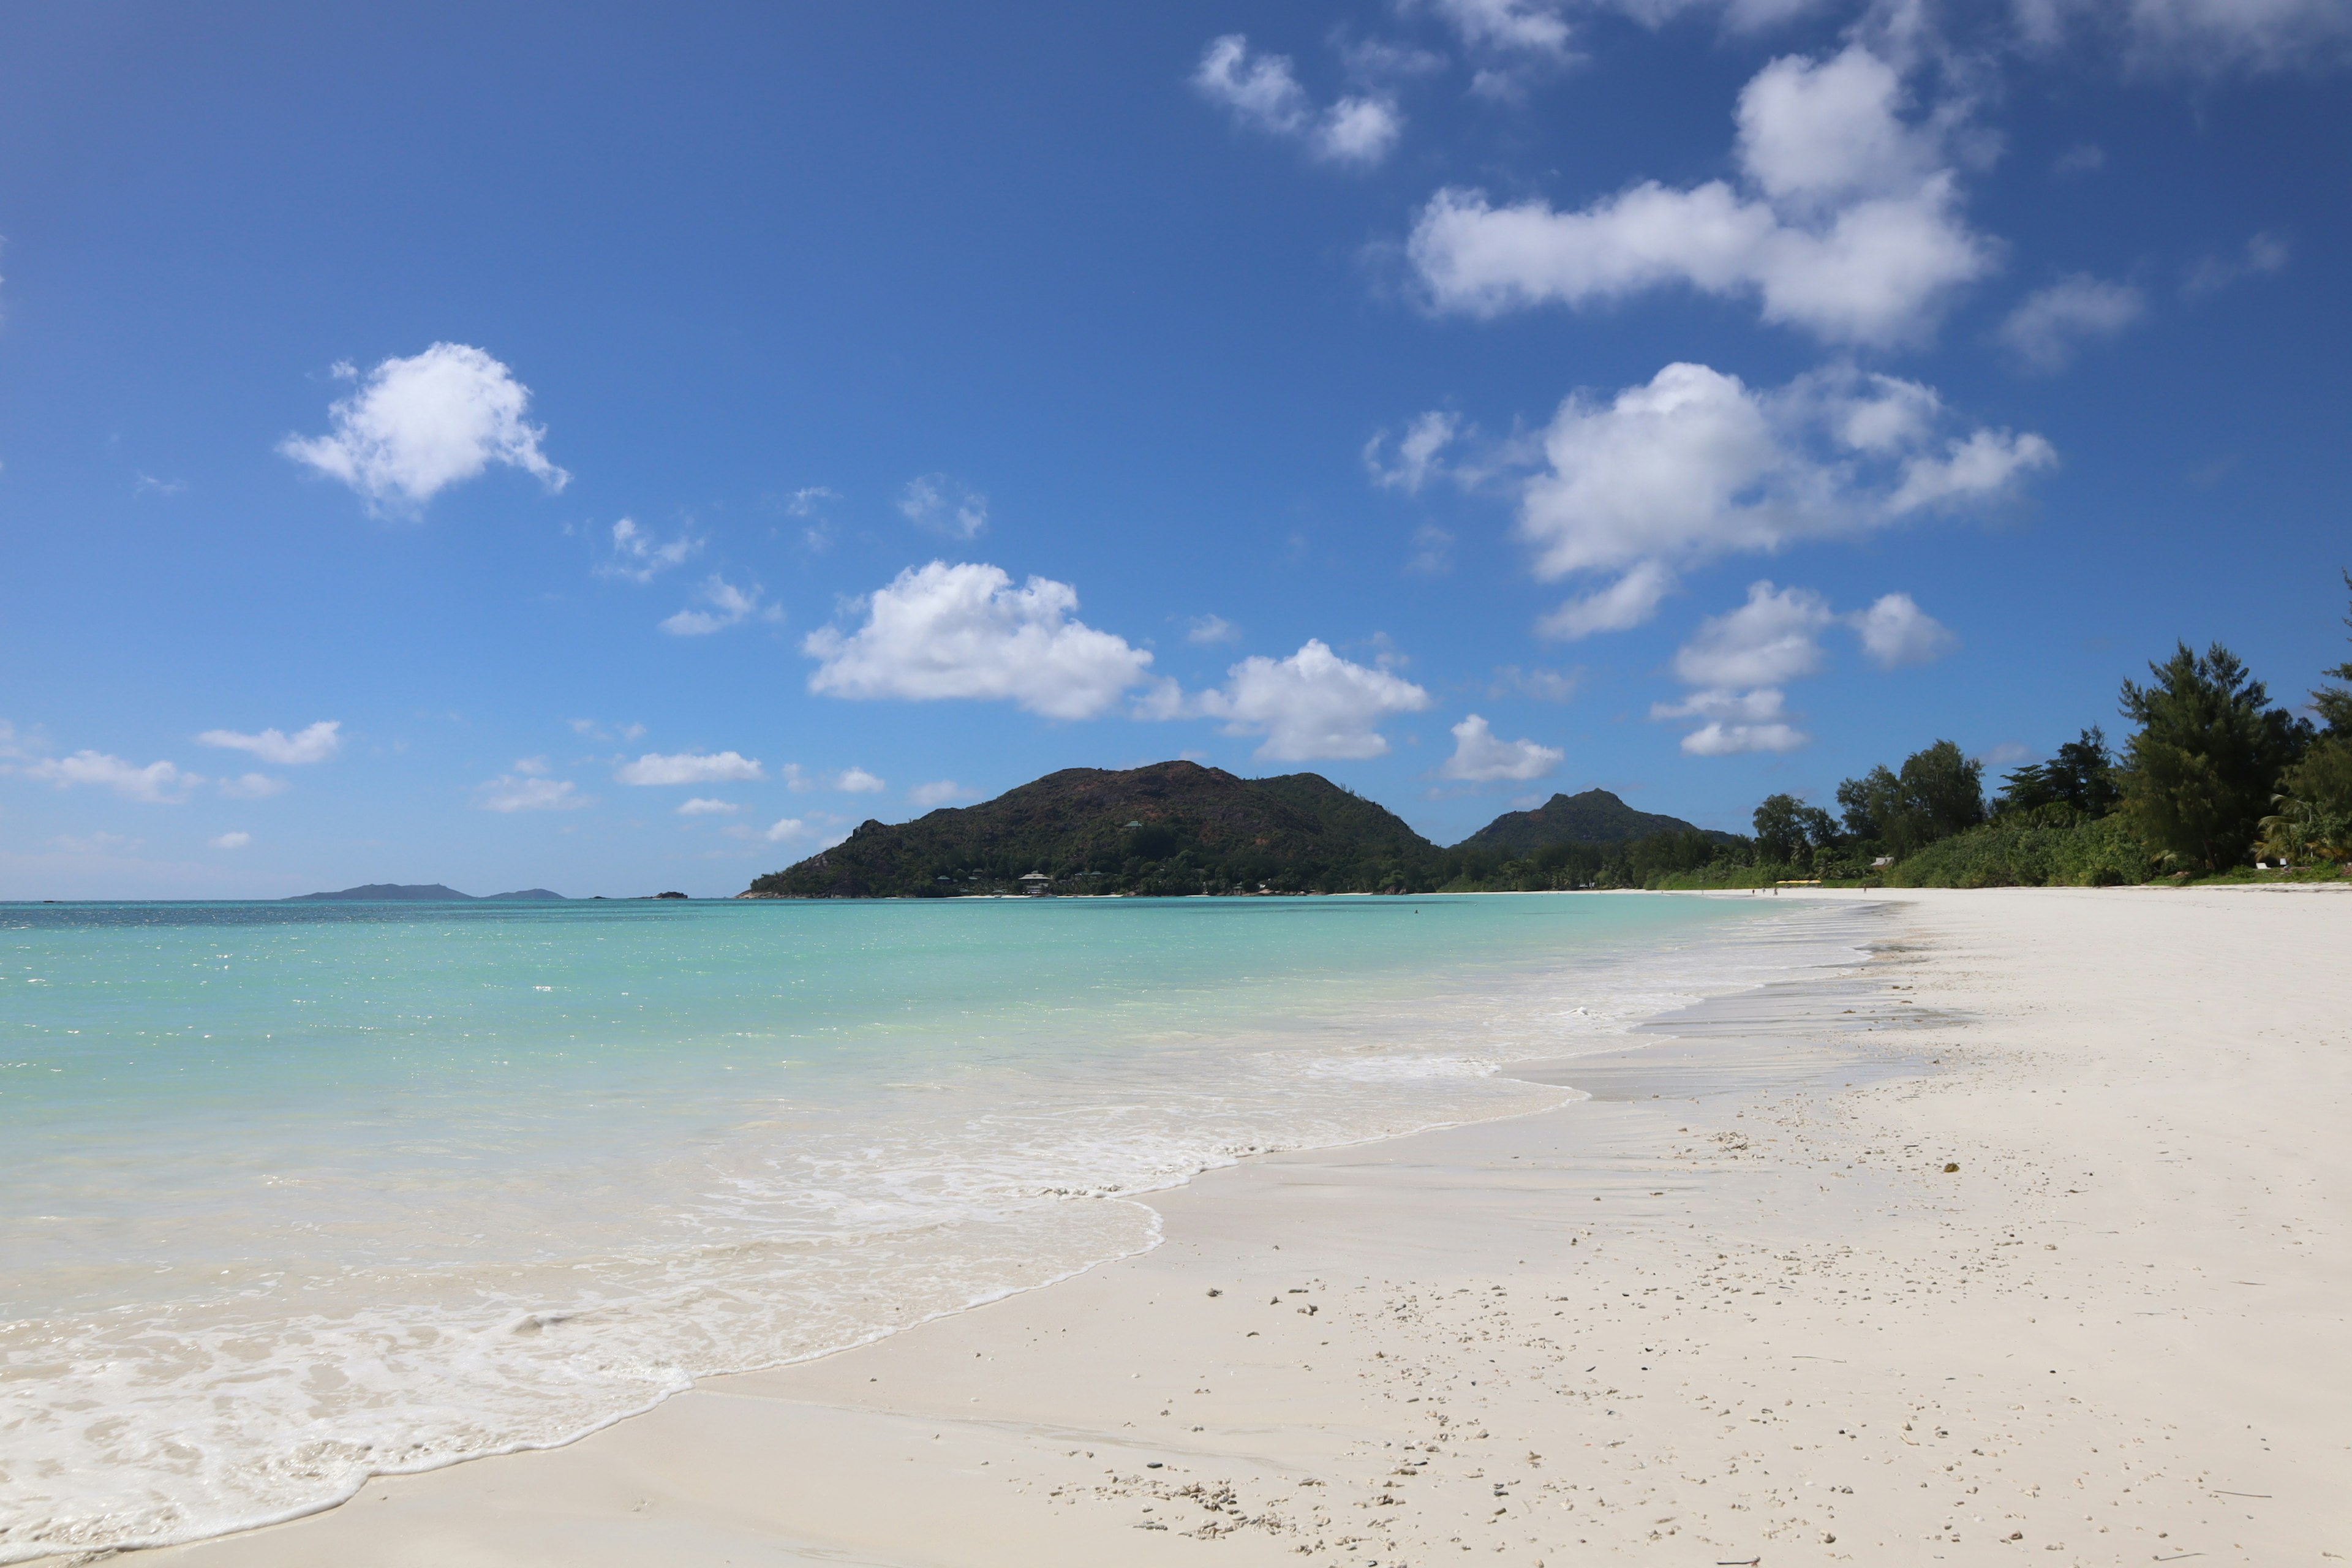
(1733,1308)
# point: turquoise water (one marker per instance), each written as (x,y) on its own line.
(296,1193)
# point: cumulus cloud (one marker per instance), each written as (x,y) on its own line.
(157,783)
(943,504)
(1624,603)
(1480,757)
(640,557)
(1767,641)
(1896,631)
(857,780)
(1720,740)
(1695,464)
(940,792)
(2199,37)
(725,606)
(1313,705)
(1849,227)
(1738,663)
(517,792)
(2263,254)
(252,787)
(2051,324)
(231,840)
(805,501)
(940,631)
(1416,452)
(1262,92)
(1206,629)
(703,805)
(690,768)
(418,425)
(316,743)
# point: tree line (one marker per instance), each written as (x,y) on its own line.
(2213,776)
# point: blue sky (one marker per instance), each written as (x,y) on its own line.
(613,451)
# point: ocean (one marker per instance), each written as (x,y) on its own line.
(291,1194)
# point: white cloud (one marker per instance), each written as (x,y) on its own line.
(1896,631)
(1854,233)
(595,731)
(1729,740)
(530,765)
(1695,464)
(857,780)
(418,425)
(1313,705)
(780,831)
(2050,324)
(2083,158)
(231,840)
(252,787)
(2264,254)
(944,505)
(1207,629)
(1262,93)
(1544,685)
(2201,37)
(157,783)
(1525,27)
(1480,758)
(1765,641)
(805,501)
(942,791)
(964,631)
(1626,603)
(316,743)
(1747,707)
(690,768)
(513,791)
(1416,459)
(728,607)
(640,557)
(703,805)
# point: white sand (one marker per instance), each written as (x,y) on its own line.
(1732,1308)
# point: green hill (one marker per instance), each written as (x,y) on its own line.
(1170,828)
(1596,816)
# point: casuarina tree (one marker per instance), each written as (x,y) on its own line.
(2199,775)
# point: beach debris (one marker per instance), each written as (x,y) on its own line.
(1214,1292)
(1951,1166)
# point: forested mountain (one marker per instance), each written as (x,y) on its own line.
(1170,828)
(1595,817)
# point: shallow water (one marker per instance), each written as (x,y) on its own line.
(295,1193)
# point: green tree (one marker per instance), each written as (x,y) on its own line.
(2335,701)
(2081,777)
(1938,793)
(2201,770)
(1781,830)
(2312,815)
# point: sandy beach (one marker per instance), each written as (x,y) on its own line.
(2023,1237)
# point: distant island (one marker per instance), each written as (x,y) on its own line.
(423,893)
(1179,829)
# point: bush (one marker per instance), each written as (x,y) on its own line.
(2041,849)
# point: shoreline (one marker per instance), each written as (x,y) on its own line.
(1514,1248)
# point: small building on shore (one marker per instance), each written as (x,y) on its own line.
(1036,884)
